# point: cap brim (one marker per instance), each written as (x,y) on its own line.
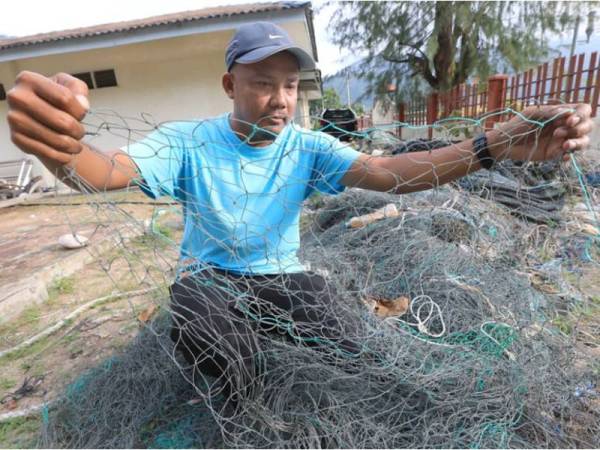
(305,61)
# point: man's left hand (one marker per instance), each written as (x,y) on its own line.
(543,133)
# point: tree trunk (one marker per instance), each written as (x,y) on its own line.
(443,61)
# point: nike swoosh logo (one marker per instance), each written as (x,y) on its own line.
(274,36)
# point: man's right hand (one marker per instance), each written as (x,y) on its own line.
(45,120)
(45,115)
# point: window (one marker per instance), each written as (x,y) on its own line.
(98,79)
(86,77)
(2,92)
(105,78)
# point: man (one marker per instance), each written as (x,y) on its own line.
(242,179)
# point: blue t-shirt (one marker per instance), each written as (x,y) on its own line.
(241,203)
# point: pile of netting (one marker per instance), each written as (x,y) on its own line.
(436,338)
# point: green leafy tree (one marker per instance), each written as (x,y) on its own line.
(441,44)
(330,99)
(358,108)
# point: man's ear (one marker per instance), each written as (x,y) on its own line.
(227,82)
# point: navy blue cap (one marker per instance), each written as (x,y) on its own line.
(259,40)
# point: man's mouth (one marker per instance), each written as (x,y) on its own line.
(274,119)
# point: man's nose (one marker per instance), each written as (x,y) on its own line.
(278,98)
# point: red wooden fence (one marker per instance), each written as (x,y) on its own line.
(364,122)
(573,81)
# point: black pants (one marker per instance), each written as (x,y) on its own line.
(217,317)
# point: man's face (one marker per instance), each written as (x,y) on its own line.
(263,93)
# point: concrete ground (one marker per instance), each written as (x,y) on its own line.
(31,256)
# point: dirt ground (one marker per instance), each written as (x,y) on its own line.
(37,373)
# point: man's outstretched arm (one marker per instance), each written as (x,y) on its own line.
(566,129)
(45,116)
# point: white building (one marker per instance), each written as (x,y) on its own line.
(167,66)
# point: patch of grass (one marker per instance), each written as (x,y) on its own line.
(159,236)
(578,315)
(305,223)
(595,366)
(71,337)
(163,231)
(30,316)
(61,286)
(587,309)
(584,311)
(35,348)
(114,253)
(21,432)
(595,300)
(546,253)
(7,383)
(316,200)
(563,324)
(38,369)
(570,277)
(149,241)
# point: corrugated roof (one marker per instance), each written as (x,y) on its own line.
(149,22)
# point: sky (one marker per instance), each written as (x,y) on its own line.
(17,19)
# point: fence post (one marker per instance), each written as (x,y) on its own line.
(401,117)
(432,112)
(496,97)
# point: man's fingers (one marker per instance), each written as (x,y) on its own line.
(38,148)
(75,85)
(55,93)
(583,110)
(584,128)
(574,132)
(574,123)
(63,123)
(24,124)
(576,113)
(576,144)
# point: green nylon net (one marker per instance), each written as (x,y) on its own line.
(422,323)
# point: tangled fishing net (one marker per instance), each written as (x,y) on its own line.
(422,327)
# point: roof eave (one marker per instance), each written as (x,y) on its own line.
(311,29)
(157,32)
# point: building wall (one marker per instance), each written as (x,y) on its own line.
(169,79)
